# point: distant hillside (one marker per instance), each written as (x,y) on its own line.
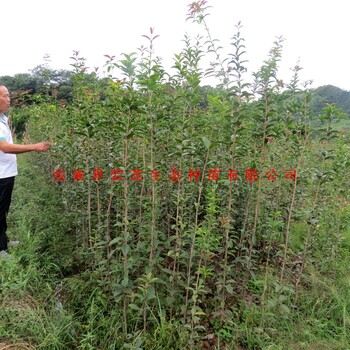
(330,94)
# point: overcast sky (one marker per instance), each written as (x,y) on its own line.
(316,32)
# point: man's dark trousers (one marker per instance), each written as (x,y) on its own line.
(6,187)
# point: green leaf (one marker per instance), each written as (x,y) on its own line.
(125,249)
(115,240)
(206,142)
(134,307)
(229,289)
(125,281)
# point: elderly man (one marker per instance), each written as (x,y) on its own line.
(8,166)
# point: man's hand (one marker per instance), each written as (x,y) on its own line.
(42,146)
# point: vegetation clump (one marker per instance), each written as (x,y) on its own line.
(172,215)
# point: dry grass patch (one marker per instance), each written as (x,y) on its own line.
(17,346)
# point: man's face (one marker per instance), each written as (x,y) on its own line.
(4,99)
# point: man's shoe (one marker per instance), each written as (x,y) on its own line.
(4,254)
(13,244)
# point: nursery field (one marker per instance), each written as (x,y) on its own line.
(172,215)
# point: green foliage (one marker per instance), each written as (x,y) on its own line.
(176,216)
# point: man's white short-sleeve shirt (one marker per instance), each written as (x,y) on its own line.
(8,162)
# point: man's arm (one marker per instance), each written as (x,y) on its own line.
(16,149)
